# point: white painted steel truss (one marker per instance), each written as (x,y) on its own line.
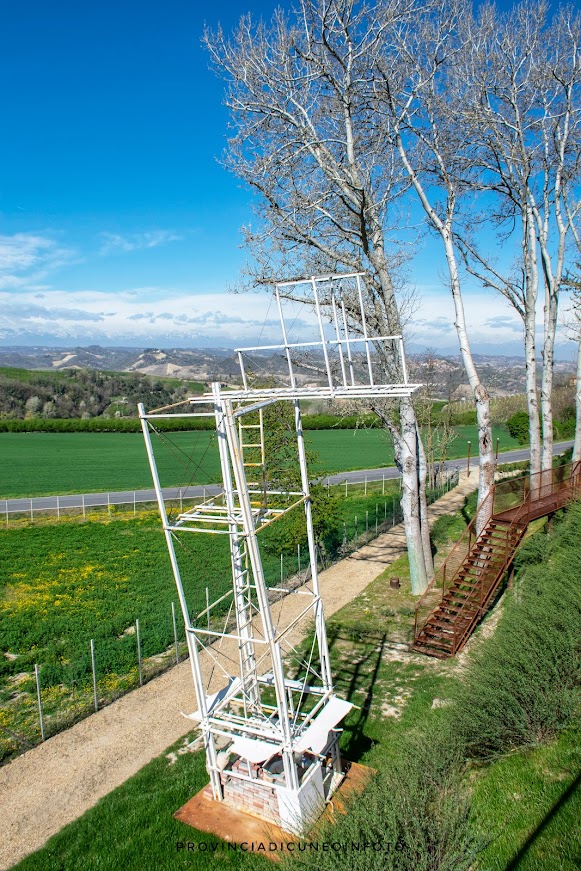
(276,713)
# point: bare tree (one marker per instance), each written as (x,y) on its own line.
(520,108)
(413,91)
(305,138)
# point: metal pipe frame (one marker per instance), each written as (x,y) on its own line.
(257,639)
(209,741)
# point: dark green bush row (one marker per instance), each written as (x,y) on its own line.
(522,686)
(128,424)
(101,424)
(331,421)
(564,428)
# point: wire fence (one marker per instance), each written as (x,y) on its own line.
(88,505)
(50,706)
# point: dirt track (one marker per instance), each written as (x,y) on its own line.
(56,782)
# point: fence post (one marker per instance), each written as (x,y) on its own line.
(40,717)
(175,632)
(58,509)
(344,533)
(365,493)
(355,527)
(345,488)
(31,512)
(139,652)
(134,503)
(366,525)
(383,484)
(6,500)
(108,505)
(83,504)
(95,700)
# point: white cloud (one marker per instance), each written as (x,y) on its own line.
(142,316)
(27,258)
(115,243)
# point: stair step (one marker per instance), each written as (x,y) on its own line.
(430,651)
(434,642)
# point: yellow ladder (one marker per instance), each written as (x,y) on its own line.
(252,445)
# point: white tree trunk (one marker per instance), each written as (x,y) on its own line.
(406,453)
(547,380)
(481,398)
(530,304)
(577,443)
(424,522)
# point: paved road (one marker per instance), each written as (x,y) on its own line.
(130,497)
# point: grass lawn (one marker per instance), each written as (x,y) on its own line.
(529,806)
(523,804)
(63,584)
(35,464)
(133,827)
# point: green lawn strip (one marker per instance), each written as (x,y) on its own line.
(35,464)
(63,584)
(529,805)
(133,828)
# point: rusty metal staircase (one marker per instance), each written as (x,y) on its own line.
(466,583)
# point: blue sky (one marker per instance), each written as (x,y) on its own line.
(117,224)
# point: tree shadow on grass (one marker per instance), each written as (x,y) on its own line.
(564,798)
(358,673)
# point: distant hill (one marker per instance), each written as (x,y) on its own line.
(85,393)
(95,381)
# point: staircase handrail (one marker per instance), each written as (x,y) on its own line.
(509,549)
(468,538)
(474,533)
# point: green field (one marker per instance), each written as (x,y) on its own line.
(62,585)
(35,464)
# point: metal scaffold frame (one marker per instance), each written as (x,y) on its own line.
(271,739)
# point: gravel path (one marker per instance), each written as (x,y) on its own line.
(56,782)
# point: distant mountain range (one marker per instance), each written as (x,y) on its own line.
(444,376)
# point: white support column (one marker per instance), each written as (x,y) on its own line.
(339,341)
(290,768)
(191,641)
(322,333)
(364,325)
(320,628)
(347,343)
(246,652)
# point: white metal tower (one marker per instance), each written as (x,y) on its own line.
(270,734)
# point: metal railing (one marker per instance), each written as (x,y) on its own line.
(515,500)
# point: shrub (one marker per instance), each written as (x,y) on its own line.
(518,426)
(522,686)
(415,813)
